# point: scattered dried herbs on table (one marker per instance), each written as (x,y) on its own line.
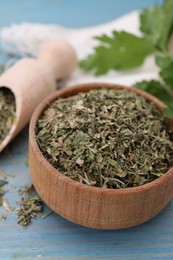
(2,190)
(106,138)
(30,205)
(7,112)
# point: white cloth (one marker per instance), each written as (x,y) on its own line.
(26,38)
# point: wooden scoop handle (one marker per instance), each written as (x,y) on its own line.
(31,80)
(58,57)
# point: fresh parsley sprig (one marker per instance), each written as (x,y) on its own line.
(123,51)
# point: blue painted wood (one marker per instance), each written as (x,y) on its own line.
(55,237)
(74,13)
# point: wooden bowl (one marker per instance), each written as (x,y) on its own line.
(95,207)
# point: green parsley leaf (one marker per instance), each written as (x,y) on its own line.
(157,24)
(165,63)
(158,90)
(122,51)
(168,111)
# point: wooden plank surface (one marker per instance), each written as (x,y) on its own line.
(55,237)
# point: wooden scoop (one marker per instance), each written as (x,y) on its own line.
(31,80)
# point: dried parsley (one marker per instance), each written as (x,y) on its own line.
(106,138)
(30,205)
(2,190)
(7,112)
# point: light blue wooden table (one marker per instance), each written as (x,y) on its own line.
(55,237)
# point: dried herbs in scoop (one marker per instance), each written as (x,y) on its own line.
(7,112)
(106,138)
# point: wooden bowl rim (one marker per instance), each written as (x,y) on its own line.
(78,88)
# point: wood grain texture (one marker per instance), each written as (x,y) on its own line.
(91,206)
(31,80)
